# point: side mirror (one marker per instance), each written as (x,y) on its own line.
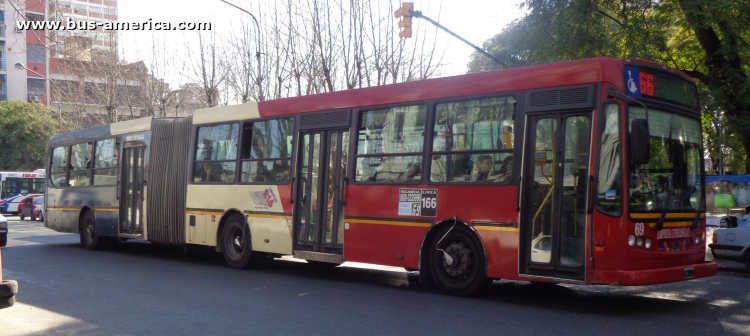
(640,141)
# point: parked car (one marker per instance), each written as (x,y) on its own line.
(29,205)
(3,231)
(732,243)
(38,210)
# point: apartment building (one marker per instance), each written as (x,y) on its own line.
(83,45)
(25,47)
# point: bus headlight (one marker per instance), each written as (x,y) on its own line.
(697,240)
(640,242)
(631,240)
(648,243)
(3,225)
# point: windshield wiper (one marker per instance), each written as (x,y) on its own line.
(660,223)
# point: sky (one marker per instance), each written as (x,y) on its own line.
(474,20)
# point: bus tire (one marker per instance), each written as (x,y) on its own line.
(465,276)
(89,238)
(237,246)
(747,262)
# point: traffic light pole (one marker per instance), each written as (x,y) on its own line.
(418,14)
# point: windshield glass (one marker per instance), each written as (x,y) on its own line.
(671,181)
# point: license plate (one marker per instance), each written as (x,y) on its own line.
(689,273)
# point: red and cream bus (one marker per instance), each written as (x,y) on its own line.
(586,172)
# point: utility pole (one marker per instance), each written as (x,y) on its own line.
(406,12)
(257,52)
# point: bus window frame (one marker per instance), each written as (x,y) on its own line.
(354,136)
(118,145)
(240,147)
(89,169)
(194,150)
(514,152)
(48,171)
(599,132)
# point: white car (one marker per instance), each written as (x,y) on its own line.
(3,231)
(732,244)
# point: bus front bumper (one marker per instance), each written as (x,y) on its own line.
(654,276)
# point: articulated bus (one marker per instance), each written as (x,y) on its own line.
(583,172)
(16,187)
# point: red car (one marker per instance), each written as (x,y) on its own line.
(32,207)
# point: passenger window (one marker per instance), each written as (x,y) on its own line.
(267,151)
(79,165)
(473,141)
(216,153)
(609,185)
(58,176)
(105,161)
(390,143)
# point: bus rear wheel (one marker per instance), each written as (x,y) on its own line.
(457,263)
(236,245)
(89,238)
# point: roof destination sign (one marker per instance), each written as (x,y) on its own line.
(642,82)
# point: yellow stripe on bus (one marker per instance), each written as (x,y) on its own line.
(496,228)
(673,224)
(64,209)
(269,216)
(205,212)
(368,221)
(669,215)
(106,209)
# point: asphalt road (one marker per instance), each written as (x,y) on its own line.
(142,289)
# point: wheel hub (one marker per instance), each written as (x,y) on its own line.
(461,259)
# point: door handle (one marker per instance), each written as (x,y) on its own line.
(292,195)
(118,189)
(343,190)
(591,195)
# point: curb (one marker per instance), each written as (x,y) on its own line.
(732,269)
(8,290)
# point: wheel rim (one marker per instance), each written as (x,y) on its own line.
(235,243)
(460,261)
(90,233)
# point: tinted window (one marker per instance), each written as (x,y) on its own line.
(390,143)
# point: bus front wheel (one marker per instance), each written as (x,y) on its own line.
(89,238)
(236,244)
(457,262)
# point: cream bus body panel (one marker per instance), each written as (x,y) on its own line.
(264,225)
(226,113)
(131,126)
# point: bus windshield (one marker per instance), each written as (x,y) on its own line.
(671,180)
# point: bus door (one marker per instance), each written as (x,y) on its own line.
(555,195)
(131,194)
(319,207)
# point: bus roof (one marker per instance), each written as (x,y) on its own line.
(569,73)
(585,71)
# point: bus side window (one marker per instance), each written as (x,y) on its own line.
(609,184)
(58,174)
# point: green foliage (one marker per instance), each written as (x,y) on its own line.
(25,129)
(709,40)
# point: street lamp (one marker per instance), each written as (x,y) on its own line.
(20,66)
(257,52)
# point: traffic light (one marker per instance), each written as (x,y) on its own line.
(405,12)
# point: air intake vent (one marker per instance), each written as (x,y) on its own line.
(312,120)
(325,120)
(561,98)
